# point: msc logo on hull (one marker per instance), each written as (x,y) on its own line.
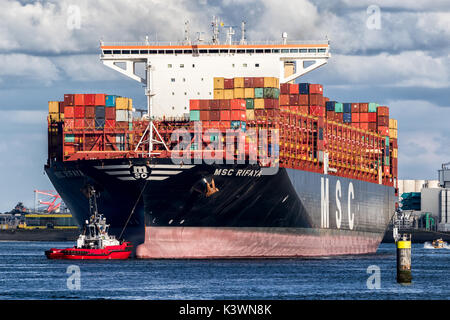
(325,204)
(140,172)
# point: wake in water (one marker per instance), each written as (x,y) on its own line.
(428,245)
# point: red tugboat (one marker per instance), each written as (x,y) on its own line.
(94,242)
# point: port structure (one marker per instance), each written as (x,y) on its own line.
(50,199)
(176,72)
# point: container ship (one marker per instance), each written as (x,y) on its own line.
(233,158)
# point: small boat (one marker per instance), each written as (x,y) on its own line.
(438,244)
(94,242)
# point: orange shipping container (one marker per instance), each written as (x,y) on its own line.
(293,88)
(100,99)
(238,93)
(79,99)
(194,104)
(304,100)
(68,112)
(228,94)
(218,94)
(249,93)
(259,103)
(284,99)
(219,83)
(239,82)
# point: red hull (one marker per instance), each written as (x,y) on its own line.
(200,243)
(120,252)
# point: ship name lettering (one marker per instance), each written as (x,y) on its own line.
(191,310)
(338,205)
(238,173)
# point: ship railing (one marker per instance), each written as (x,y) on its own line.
(183,43)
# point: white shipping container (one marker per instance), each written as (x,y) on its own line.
(122,115)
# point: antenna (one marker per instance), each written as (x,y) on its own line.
(215,27)
(284,37)
(187,39)
(230,34)
(243,40)
(200,36)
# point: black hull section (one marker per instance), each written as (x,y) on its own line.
(176,196)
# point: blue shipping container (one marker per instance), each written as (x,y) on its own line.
(347,107)
(303,88)
(347,117)
(99,112)
(110,101)
(330,105)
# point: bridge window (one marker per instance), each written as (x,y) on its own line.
(125,51)
(276,51)
(267,50)
(303,50)
(160,51)
(134,51)
(257,65)
(172,80)
(152,51)
(259,51)
(294,50)
(181,65)
(144,52)
(240,51)
(232,50)
(178,51)
(284,50)
(188,51)
(214,51)
(250,51)
(322,50)
(169,65)
(223,51)
(169,51)
(107,51)
(312,50)
(116,51)
(203,51)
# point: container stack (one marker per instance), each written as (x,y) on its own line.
(302,98)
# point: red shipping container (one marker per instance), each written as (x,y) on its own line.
(330,115)
(373,126)
(61,106)
(260,112)
(284,88)
(273,113)
(364,125)
(214,104)
(372,116)
(338,117)
(293,88)
(204,104)
(100,99)
(78,100)
(363,107)
(315,99)
(315,88)
(383,111)
(204,115)
(225,115)
(237,115)
(214,115)
(284,99)
(69,112)
(248,83)
(364,117)
(355,117)
(271,104)
(68,149)
(355,125)
(214,124)
(79,123)
(110,123)
(394,142)
(303,109)
(69,99)
(317,111)
(303,100)
(110,113)
(355,108)
(68,123)
(386,170)
(194,104)
(383,131)
(89,112)
(293,99)
(224,104)
(79,112)
(228,83)
(89,124)
(89,99)
(237,104)
(383,121)
(258,82)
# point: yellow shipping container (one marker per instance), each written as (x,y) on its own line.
(228,94)
(259,103)
(392,124)
(249,93)
(270,82)
(56,116)
(219,83)
(250,114)
(53,107)
(238,83)
(395,152)
(238,93)
(393,133)
(122,103)
(218,94)
(130,104)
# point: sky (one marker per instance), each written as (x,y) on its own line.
(395,53)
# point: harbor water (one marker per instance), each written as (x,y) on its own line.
(25,273)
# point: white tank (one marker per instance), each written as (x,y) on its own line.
(419,185)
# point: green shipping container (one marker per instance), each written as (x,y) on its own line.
(259,92)
(271,93)
(373,107)
(249,104)
(338,107)
(69,138)
(194,115)
(130,126)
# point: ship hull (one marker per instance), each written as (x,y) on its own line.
(287,214)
